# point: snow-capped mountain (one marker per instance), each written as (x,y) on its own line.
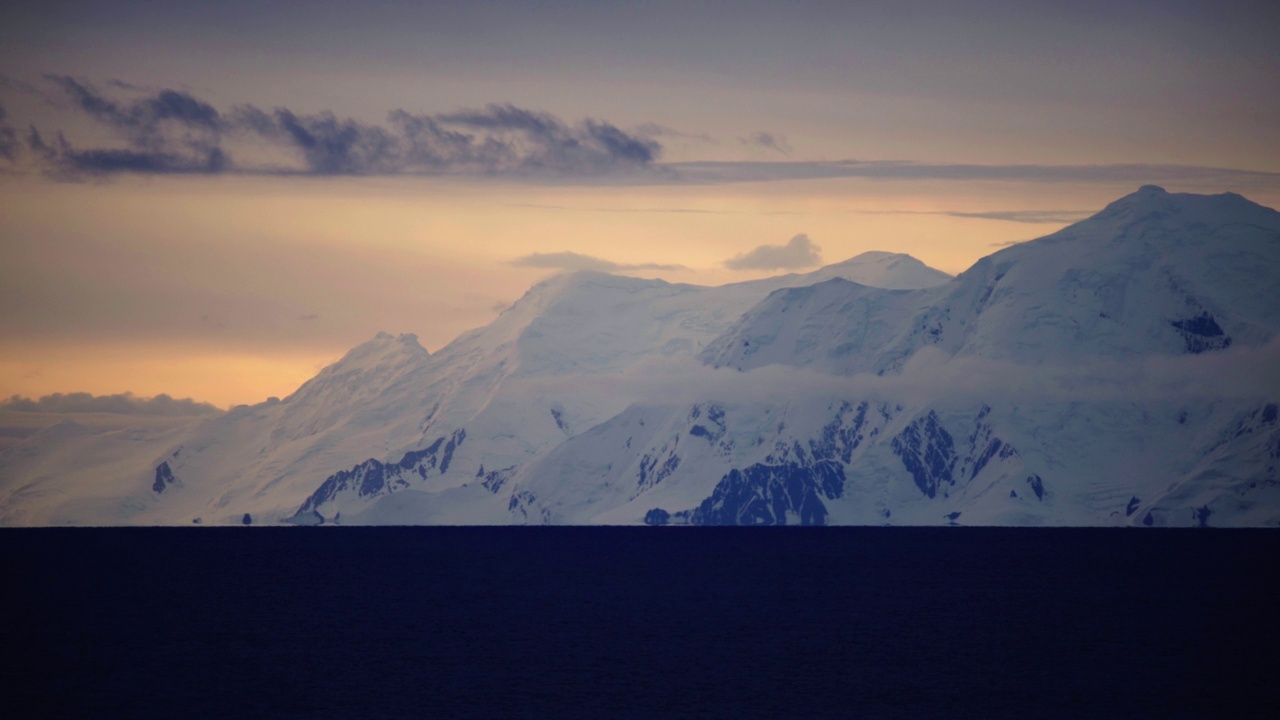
(1153,273)
(389,399)
(1116,372)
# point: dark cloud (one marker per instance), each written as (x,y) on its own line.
(768,141)
(498,140)
(142,119)
(173,105)
(66,161)
(109,161)
(254,120)
(799,252)
(9,145)
(86,98)
(620,145)
(339,147)
(577,261)
(169,131)
(507,117)
(37,145)
(432,147)
(552,145)
(122,404)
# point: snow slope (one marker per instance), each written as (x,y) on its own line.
(1055,382)
(1120,371)
(482,401)
(1153,273)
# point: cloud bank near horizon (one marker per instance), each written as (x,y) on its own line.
(118,404)
(719,172)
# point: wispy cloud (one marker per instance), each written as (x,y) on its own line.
(577,261)
(709,172)
(1037,217)
(799,252)
(768,141)
(655,130)
(1046,217)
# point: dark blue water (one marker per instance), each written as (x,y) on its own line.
(606,622)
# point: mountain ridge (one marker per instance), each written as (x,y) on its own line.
(1037,387)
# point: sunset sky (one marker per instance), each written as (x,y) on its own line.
(214,200)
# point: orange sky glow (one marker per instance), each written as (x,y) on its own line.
(216,200)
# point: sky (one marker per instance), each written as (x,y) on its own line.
(215,200)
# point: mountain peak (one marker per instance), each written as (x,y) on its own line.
(1151,201)
(385,341)
(881,269)
(1146,199)
(576,287)
(875,256)
(383,350)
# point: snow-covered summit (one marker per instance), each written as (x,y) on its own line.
(599,398)
(1152,201)
(879,269)
(1153,272)
(375,362)
(590,321)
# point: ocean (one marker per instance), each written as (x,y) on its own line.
(640,622)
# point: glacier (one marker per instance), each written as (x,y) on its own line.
(1122,371)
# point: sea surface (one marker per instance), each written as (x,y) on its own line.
(643,622)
